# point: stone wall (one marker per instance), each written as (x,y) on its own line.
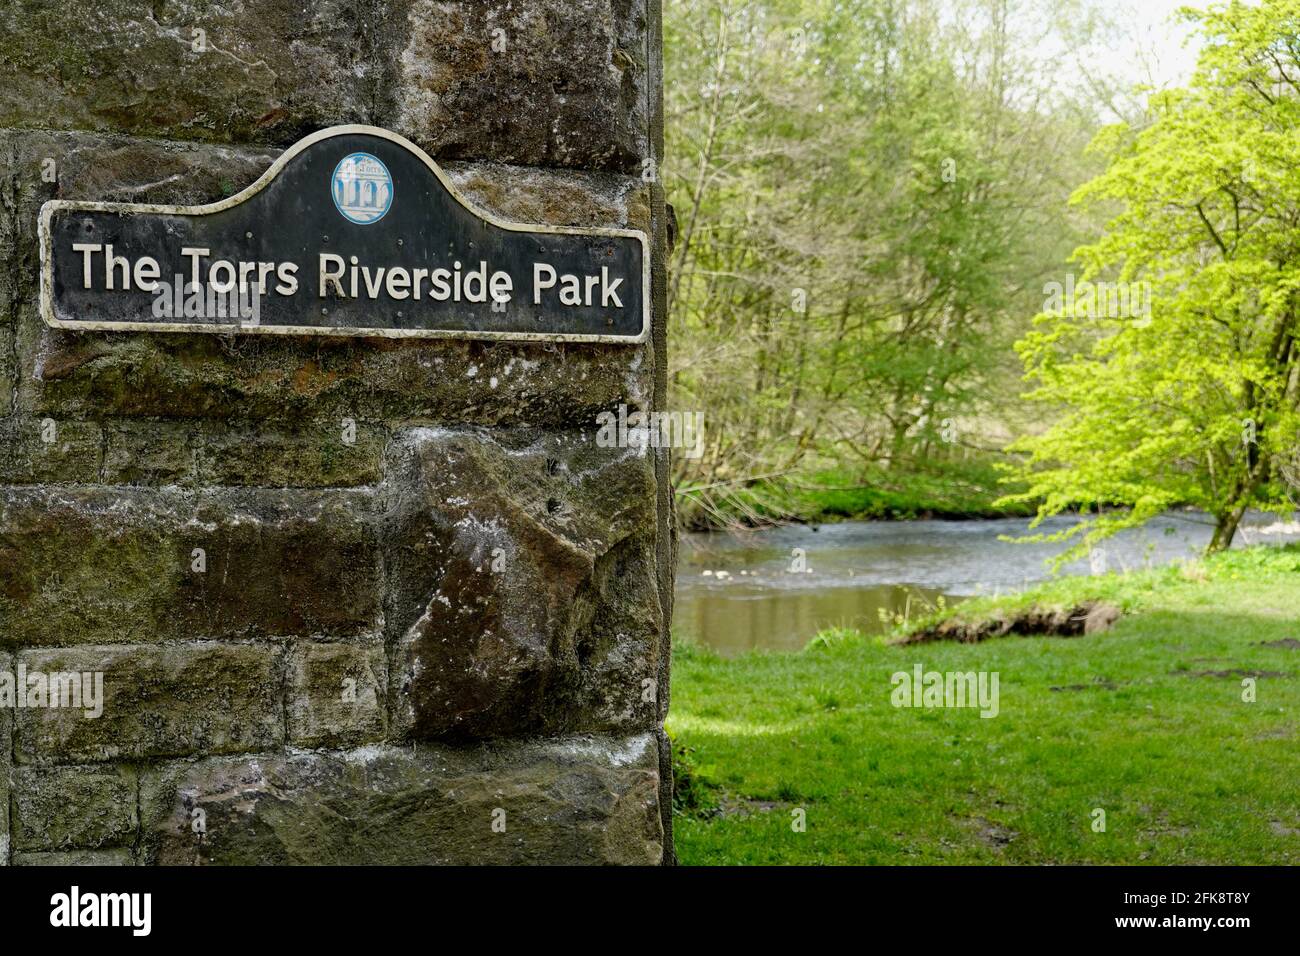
(354,601)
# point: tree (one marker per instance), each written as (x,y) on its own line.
(868,194)
(1191,399)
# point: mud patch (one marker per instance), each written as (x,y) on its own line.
(1232,672)
(1090,617)
(1276,733)
(995,836)
(1288,642)
(736,806)
(1095,685)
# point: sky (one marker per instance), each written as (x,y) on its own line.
(1158,37)
(1145,43)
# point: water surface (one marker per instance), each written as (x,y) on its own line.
(778,587)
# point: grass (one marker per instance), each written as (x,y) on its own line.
(939,490)
(1145,722)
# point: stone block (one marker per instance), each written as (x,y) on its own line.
(577,800)
(521,587)
(546,83)
(151,452)
(166,701)
(263,71)
(120,857)
(62,808)
(49,449)
(325,454)
(8,365)
(336,694)
(123,566)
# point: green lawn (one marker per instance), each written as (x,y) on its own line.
(1146,722)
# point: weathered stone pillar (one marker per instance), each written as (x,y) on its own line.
(354,600)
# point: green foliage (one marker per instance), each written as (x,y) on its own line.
(1196,402)
(830,639)
(693,793)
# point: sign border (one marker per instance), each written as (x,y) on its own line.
(55,205)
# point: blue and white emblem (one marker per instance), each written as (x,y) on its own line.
(362,188)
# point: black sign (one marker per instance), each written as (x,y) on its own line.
(353,231)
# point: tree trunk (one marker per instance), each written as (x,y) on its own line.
(1225,529)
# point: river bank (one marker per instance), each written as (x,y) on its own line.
(1146,722)
(953,491)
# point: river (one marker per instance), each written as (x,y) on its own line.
(777,587)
